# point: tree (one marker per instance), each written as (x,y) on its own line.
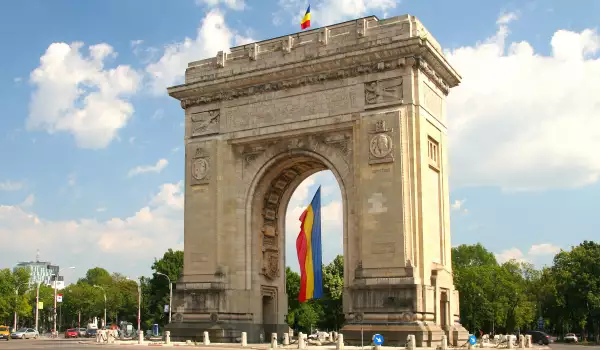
(156,289)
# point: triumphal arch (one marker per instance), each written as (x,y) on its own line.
(364,99)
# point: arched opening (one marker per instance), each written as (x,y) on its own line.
(327,312)
(283,188)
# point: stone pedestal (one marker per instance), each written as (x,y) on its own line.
(394,335)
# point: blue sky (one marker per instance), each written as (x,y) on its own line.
(91,144)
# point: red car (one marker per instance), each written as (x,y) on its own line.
(71,333)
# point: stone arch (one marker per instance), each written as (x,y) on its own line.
(273,183)
(275,170)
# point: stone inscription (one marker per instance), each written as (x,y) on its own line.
(293,108)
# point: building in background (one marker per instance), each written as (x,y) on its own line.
(43,272)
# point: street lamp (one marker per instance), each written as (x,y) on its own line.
(139,285)
(37,305)
(104,292)
(170,293)
(55,284)
(16,301)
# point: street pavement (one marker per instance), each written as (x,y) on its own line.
(562,346)
(81,344)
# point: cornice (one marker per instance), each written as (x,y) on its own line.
(413,52)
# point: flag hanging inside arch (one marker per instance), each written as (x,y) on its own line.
(310,251)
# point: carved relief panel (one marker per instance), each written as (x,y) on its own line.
(381,144)
(383,91)
(205,123)
(200,166)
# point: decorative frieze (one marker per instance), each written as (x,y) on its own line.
(384,91)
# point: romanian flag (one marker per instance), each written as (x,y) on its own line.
(305,23)
(308,246)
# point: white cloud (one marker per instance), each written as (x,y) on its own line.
(17,80)
(232,4)
(125,245)
(142,169)
(543,249)
(327,12)
(101,210)
(213,35)
(28,202)
(510,254)
(507,18)
(77,94)
(458,206)
(522,120)
(538,254)
(11,186)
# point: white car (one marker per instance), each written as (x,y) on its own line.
(571,338)
(25,333)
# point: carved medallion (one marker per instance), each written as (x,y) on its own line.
(200,168)
(380,145)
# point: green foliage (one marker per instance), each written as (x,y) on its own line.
(156,289)
(324,313)
(13,290)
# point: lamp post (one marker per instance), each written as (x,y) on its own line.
(170,293)
(104,292)
(139,318)
(55,288)
(16,301)
(37,305)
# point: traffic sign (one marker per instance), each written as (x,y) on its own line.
(472,339)
(378,339)
(59,298)
(540,323)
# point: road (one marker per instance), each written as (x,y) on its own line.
(54,344)
(561,346)
(75,344)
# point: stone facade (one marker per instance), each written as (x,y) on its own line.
(364,99)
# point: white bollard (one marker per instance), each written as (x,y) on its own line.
(410,342)
(244,339)
(339,345)
(301,342)
(168,337)
(528,341)
(510,340)
(140,338)
(444,342)
(286,339)
(273,340)
(521,341)
(206,340)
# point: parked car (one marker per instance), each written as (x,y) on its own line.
(571,338)
(81,331)
(71,333)
(91,333)
(539,337)
(25,333)
(4,332)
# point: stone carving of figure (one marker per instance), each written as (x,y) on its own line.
(381,145)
